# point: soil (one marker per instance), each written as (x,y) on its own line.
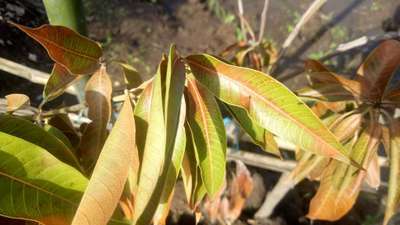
(139,32)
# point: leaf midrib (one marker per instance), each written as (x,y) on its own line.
(2,173)
(206,131)
(275,107)
(29,31)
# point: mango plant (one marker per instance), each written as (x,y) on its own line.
(361,112)
(54,171)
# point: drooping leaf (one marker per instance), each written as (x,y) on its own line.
(208,132)
(60,79)
(111,171)
(195,189)
(162,127)
(98,98)
(325,92)
(311,165)
(320,75)
(373,176)
(340,183)
(16,101)
(393,198)
(269,103)
(75,52)
(34,134)
(174,167)
(259,135)
(132,76)
(379,67)
(35,185)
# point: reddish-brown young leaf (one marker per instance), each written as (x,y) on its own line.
(59,80)
(378,68)
(75,52)
(318,74)
(98,98)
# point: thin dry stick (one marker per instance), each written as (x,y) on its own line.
(34,76)
(241,18)
(314,7)
(263,21)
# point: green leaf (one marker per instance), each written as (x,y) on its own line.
(75,52)
(60,79)
(35,185)
(34,134)
(98,98)
(269,103)
(259,135)
(208,131)
(173,170)
(111,171)
(393,198)
(59,135)
(162,121)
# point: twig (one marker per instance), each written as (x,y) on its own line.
(241,18)
(314,7)
(263,21)
(34,76)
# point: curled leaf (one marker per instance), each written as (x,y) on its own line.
(16,101)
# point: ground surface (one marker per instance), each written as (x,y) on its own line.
(139,32)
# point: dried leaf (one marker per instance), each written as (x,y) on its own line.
(340,183)
(16,101)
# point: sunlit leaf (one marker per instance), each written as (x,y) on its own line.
(98,98)
(16,101)
(59,80)
(174,167)
(208,132)
(379,67)
(162,121)
(393,198)
(269,103)
(111,171)
(35,185)
(340,183)
(324,92)
(259,135)
(75,52)
(34,134)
